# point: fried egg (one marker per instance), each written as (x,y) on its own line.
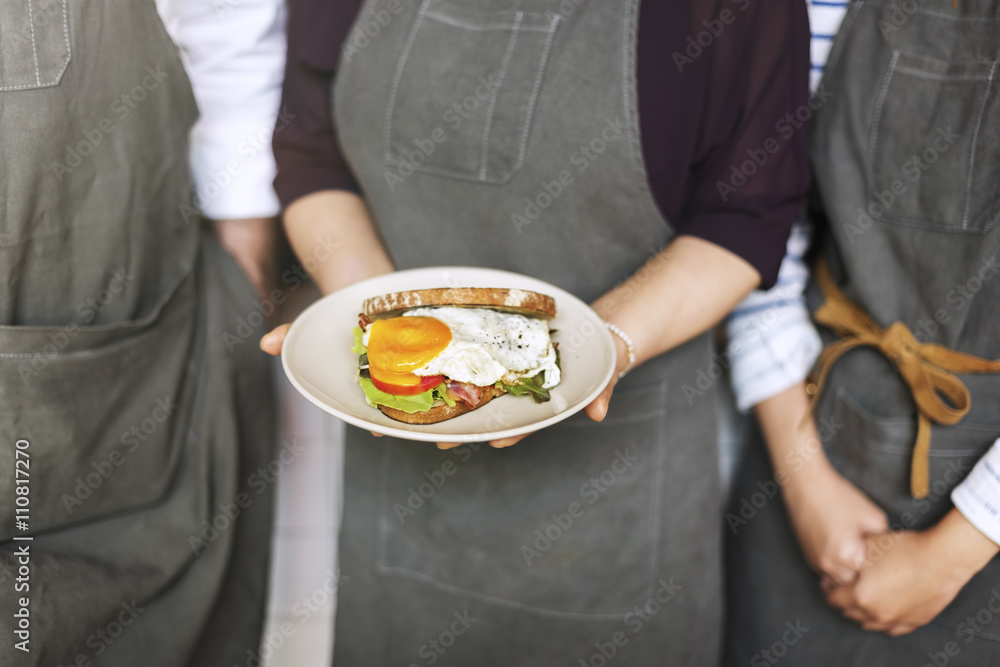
(475,345)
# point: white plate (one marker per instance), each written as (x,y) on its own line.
(318,360)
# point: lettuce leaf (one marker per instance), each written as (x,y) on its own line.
(409,404)
(358,347)
(531,386)
(417,403)
(441,393)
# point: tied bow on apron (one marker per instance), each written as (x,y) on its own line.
(927,369)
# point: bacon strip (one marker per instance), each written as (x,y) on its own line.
(468,393)
(364,321)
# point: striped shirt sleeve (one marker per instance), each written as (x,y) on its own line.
(772,341)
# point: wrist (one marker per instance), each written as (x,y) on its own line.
(807,480)
(799,457)
(961,549)
(624,348)
(793,442)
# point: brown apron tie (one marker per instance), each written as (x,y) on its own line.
(928,369)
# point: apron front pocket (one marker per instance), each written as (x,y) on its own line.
(104,410)
(564,524)
(34,43)
(875,452)
(464,92)
(934,148)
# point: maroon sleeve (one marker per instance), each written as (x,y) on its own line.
(306,149)
(725,163)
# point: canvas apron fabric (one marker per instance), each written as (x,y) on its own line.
(142,426)
(907,159)
(455,118)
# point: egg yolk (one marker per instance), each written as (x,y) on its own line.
(400,345)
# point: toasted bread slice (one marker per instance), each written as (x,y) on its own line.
(522,302)
(441,412)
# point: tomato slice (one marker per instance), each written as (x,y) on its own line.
(403,384)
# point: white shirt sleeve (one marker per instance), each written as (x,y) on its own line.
(234,54)
(978,497)
(772,341)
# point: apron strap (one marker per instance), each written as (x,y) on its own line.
(927,369)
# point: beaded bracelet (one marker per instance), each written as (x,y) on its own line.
(629,345)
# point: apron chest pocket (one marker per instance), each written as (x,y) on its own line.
(464,92)
(933,153)
(34,43)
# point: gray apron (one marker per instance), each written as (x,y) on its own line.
(141,426)
(506,136)
(906,156)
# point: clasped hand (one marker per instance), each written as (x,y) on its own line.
(904,583)
(908,577)
(892,582)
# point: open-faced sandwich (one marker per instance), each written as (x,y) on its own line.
(434,354)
